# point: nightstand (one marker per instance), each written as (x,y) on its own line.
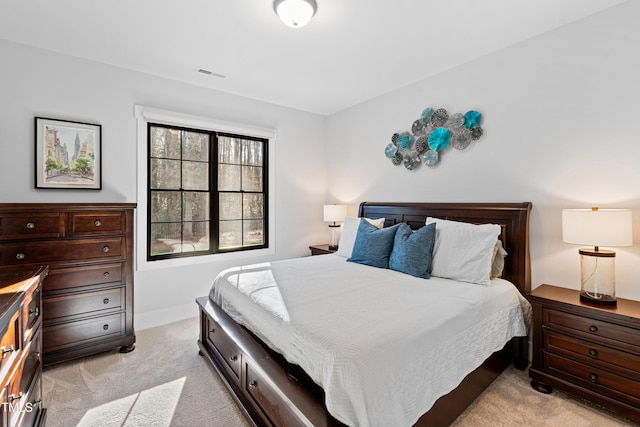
(321,249)
(590,351)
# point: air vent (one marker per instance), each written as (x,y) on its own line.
(211,73)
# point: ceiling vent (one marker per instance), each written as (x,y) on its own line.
(211,73)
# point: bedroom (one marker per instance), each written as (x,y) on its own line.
(558,111)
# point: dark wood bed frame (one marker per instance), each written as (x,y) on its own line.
(272,392)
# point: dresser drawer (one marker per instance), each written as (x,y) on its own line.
(62,251)
(30,226)
(33,409)
(31,311)
(77,277)
(592,353)
(23,381)
(591,378)
(595,330)
(81,304)
(96,223)
(225,346)
(10,341)
(84,331)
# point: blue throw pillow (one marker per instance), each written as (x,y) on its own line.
(413,250)
(373,245)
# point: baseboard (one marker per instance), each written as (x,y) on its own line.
(151,319)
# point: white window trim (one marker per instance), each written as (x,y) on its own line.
(144,115)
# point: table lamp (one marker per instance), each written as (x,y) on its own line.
(597,227)
(334,213)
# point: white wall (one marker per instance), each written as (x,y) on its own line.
(560,113)
(35,82)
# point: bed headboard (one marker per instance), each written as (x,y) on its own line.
(513,218)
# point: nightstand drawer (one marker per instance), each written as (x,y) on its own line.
(591,378)
(592,353)
(595,330)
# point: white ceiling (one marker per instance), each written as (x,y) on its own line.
(352,50)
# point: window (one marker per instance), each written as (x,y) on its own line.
(207,192)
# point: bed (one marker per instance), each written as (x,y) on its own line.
(273,391)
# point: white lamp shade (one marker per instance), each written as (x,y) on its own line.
(334,213)
(597,227)
(295,13)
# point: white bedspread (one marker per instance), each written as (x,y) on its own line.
(383,345)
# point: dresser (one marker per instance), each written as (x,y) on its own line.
(588,350)
(87,299)
(21,346)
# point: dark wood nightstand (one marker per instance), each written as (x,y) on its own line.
(321,249)
(590,351)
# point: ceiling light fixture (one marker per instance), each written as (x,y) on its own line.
(295,13)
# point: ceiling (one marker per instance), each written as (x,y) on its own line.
(352,51)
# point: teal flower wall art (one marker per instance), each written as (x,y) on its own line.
(431,135)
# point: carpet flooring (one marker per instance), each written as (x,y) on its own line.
(164,382)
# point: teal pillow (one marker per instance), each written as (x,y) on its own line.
(373,245)
(413,250)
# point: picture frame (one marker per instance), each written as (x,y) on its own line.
(68,154)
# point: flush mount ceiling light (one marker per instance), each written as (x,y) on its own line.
(295,13)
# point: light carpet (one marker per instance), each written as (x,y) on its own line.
(164,382)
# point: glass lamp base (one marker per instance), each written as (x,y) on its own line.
(597,274)
(599,299)
(333,244)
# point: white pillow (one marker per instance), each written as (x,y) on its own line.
(349,232)
(497,263)
(463,251)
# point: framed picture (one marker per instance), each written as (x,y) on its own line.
(68,154)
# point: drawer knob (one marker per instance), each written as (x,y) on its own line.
(31,225)
(98,223)
(14,397)
(253,384)
(593,378)
(212,330)
(593,328)
(593,353)
(233,358)
(5,351)
(106,274)
(105,249)
(106,300)
(20,255)
(35,311)
(105,327)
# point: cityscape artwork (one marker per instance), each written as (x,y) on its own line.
(68,154)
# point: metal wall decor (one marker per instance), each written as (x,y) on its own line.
(431,134)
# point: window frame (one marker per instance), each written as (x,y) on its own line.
(213,191)
(145,116)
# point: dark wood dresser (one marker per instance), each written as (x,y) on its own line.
(87,304)
(592,351)
(21,346)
